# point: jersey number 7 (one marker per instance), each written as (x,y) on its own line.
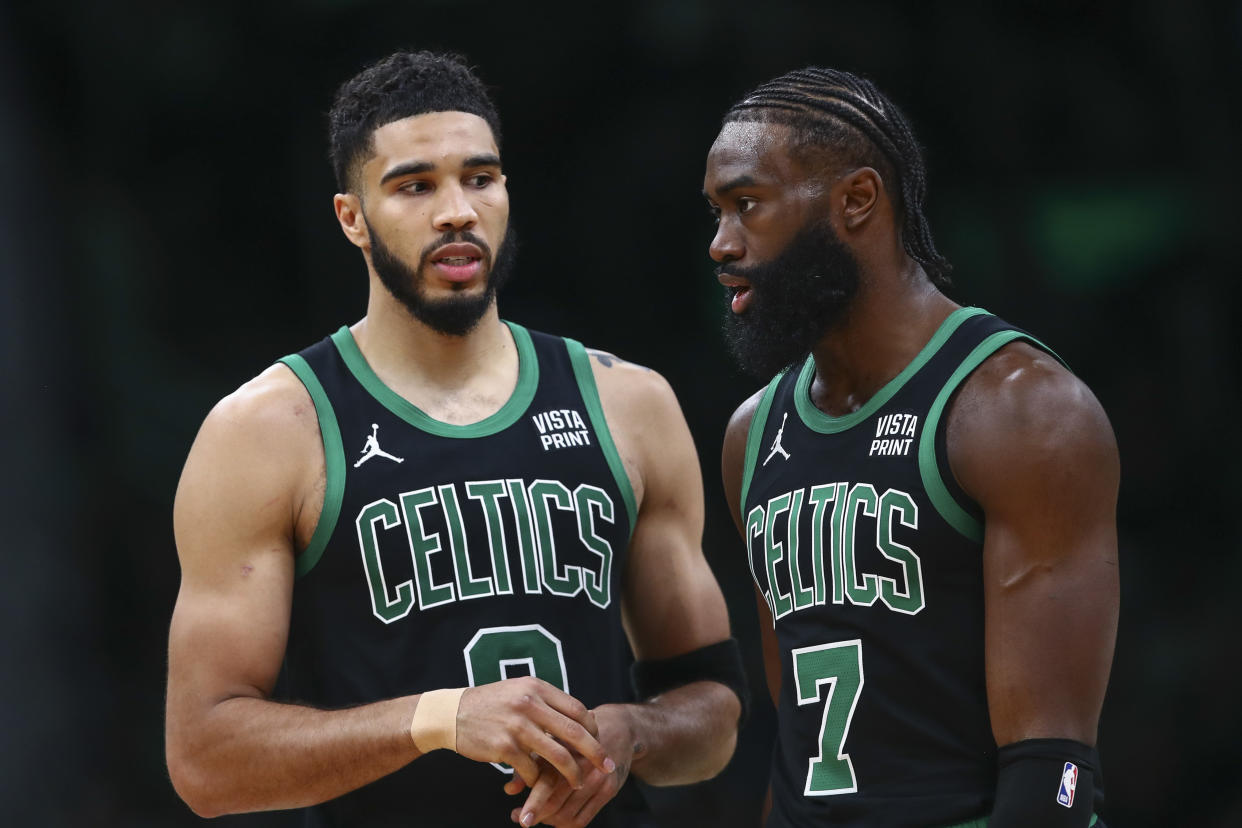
(839,666)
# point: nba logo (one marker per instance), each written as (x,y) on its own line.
(1069,781)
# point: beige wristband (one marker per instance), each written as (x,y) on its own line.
(434,725)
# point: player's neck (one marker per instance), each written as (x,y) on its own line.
(457,379)
(889,322)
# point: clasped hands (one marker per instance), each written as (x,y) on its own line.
(572,759)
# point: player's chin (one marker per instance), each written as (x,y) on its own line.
(439,288)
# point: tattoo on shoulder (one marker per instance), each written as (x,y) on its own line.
(608,360)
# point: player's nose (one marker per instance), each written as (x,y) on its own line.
(725,245)
(454,210)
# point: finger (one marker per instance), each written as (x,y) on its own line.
(592,806)
(525,767)
(575,802)
(515,785)
(574,734)
(544,802)
(555,754)
(587,720)
(544,798)
(567,705)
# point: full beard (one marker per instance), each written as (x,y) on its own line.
(796,298)
(453,315)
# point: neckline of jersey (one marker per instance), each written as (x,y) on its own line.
(822,423)
(507,415)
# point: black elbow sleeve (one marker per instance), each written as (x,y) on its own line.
(720,662)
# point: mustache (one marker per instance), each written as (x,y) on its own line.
(755,274)
(747,273)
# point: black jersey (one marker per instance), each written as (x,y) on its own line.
(450,556)
(870,559)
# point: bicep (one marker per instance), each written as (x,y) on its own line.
(1042,462)
(671,602)
(233,522)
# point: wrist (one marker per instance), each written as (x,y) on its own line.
(434,723)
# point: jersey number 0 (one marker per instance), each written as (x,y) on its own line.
(494,650)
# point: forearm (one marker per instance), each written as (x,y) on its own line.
(683,735)
(251,754)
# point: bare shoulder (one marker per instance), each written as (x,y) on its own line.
(272,413)
(646,422)
(1022,417)
(620,374)
(254,465)
(632,394)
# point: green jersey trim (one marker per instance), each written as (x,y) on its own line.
(817,420)
(581,363)
(334,465)
(982,822)
(937,492)
(754,436)
(514,407)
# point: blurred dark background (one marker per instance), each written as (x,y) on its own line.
(167,232)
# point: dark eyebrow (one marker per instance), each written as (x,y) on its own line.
(418,167)
(485,160)
(408,168)
(740,181)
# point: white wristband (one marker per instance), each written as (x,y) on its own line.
(434,725)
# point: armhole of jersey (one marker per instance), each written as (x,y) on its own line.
(754,436)
(334,463)
(581,362)
(955,513)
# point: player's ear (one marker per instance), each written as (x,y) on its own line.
(858,193)
(348,209)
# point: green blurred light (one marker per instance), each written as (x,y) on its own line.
(1095,239)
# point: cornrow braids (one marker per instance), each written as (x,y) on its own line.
(399,86)
(840,111)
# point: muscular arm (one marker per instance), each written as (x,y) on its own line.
(1032,446)
(251,486)
(671,604)
(229,748)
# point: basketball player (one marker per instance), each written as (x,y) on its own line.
(439,527)
(926,493)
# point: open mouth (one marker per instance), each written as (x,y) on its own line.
(737,289)
(458,262)
(739,297)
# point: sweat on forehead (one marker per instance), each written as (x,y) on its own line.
(822,145)
(400,86)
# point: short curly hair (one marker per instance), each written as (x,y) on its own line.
(399,86)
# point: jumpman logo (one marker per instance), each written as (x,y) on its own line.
(372,449)
(776,444)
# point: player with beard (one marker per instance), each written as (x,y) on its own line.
(442,531)
(927,494)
